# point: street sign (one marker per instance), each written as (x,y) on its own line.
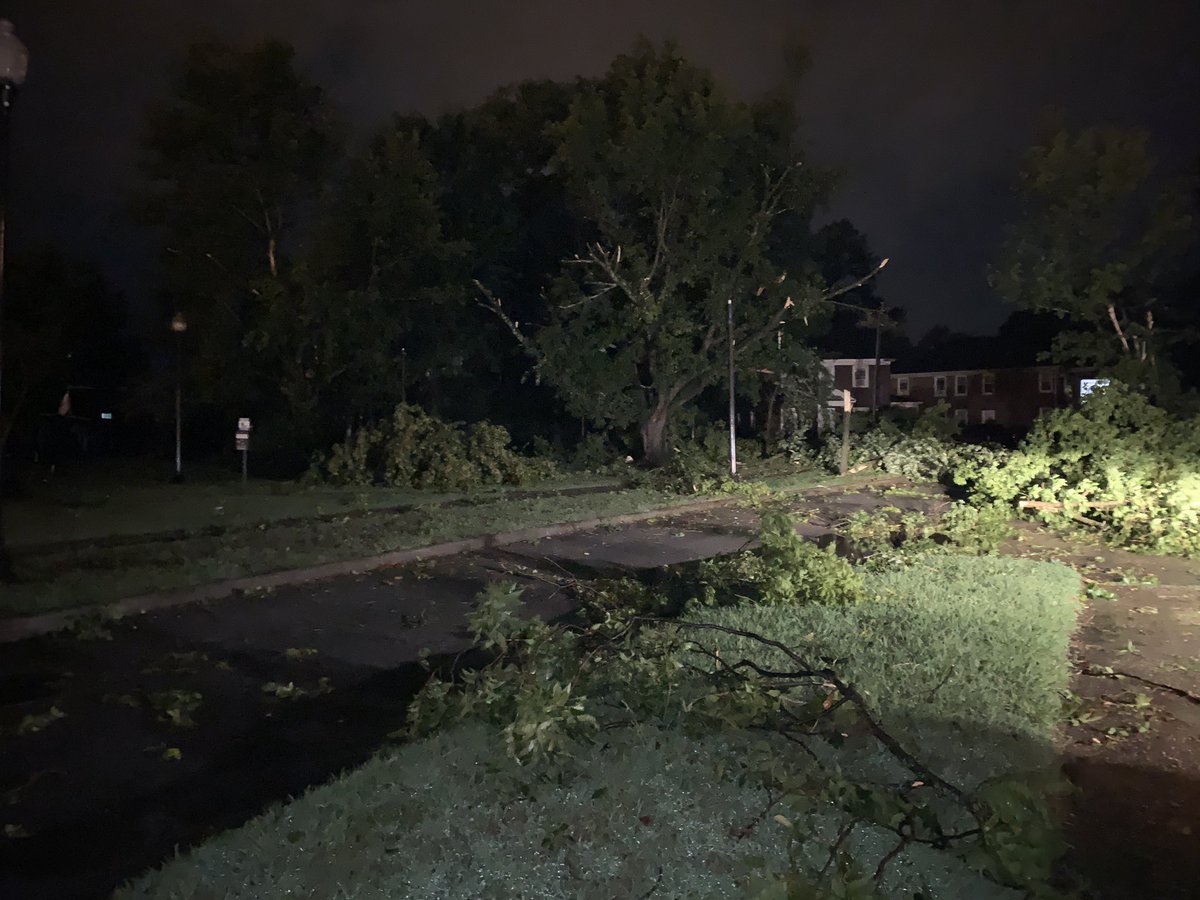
(242,441)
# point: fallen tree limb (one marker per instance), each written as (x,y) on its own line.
(1109,672)
(1053,506)
(844,689)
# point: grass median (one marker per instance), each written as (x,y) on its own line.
(82,575)
(145,538)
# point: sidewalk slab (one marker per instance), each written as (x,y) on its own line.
(633,549)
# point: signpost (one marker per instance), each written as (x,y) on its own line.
(243,444)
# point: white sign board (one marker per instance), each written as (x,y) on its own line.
(1087,385)
(243,424)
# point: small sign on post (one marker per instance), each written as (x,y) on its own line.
(242,441)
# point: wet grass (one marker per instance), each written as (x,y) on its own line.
(83,543)
(81,575)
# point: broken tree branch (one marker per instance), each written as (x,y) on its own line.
(1112,315)
(1054,506)
(493,304)
(845,689)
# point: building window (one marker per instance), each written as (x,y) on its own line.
(1045,410)
(902,386)
(1046,382)
(961,416)
(939,386)
(861,377)
(987,415)
(960,385)
(988,385)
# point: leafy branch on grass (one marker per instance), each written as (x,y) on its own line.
(552,690)
(844,689)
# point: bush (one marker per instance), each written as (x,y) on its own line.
(415,449)
(977,641)
(923,450)
(1118,463)
(786,569)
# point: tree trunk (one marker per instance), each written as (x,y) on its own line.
(655,452)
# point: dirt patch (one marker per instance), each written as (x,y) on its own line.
(1132,743)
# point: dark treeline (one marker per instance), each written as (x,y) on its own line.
(558,258)
(561,258)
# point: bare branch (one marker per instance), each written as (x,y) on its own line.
(838,290)
(891,854)
(1112,315)
(493,304)
(847,690)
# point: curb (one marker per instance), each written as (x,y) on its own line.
(17,629)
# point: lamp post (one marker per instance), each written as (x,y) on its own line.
(732,389)
(14,62)
(178,326)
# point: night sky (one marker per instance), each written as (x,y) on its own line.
(927,106)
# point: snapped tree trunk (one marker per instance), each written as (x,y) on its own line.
(655,452)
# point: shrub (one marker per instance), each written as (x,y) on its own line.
(592,454)
(415,449)
(923,450)
(1117,463)
(784,569)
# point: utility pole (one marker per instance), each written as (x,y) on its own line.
(875,375)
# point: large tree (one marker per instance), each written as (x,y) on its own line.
(504,198)
(235,159)
(684,194)
(363,316)
(1095,243)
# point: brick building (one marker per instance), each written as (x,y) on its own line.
(859,377)
(1009,397)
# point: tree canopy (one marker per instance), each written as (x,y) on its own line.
(234,160)
(1095,243)
(614,224)
(682,193)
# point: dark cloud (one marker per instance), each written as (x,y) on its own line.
(927,106)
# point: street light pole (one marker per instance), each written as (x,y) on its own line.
(178,326)
(732,393)
(14,62)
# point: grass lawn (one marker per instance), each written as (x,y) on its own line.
(201,532)
(125,502)
(944,639)
(671,805)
